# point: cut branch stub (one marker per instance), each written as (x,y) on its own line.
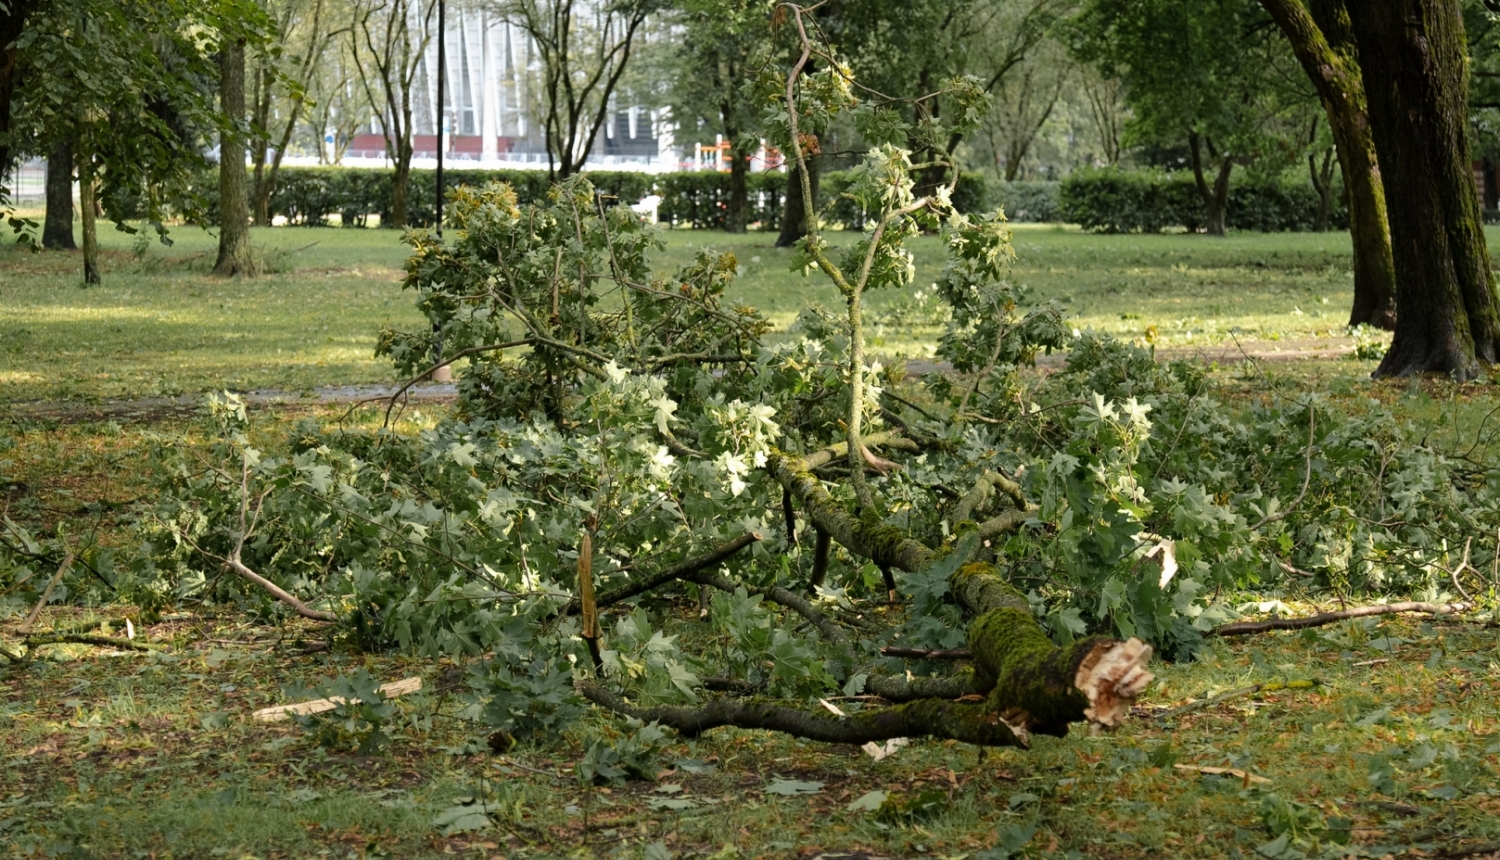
(1032,684)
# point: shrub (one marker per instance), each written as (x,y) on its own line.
(1114,200)
(700,198)
(1034,202)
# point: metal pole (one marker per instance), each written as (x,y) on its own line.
(444,373)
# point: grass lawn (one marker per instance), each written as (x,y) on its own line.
(162,326)
(1389,733)
(154,755)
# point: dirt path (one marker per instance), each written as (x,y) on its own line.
(152,409)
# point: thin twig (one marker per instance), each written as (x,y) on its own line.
(1246,627)
(47,593)
(1306,477)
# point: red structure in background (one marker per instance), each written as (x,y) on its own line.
(425,146)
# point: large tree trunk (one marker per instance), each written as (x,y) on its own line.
(1324,45)
(1215,197)
(57,227)
(87,203)
(1415,57)
(794,219)
(11,25)
(235,257)
(737,218)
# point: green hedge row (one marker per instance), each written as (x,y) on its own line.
(312,195)
(1033,202)
(700,198)
(1114,200)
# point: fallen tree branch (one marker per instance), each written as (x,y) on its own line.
(278,592)
(961,721)
(680,571)
(1267,687)
(903,688)
(1243,628)
(926,654)
(1306,477)
(39,639)
(776,594)
(62,569)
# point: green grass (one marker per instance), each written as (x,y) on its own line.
(155,753)
(123,755)
(162,326)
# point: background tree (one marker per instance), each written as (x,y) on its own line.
(1324,45)
(129,86)
(1193,74)
(283,75)
(582,52)
(1414,56)
(713,53)
(388,40)
(235,254)
(57,226)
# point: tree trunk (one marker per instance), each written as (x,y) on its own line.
(87,201)
(794,221)
(1418,102)
(1216,197)
(1322,181)
(400,189)
(234,211)
(260,207)
(57,228)
(1324,45)
(737,218)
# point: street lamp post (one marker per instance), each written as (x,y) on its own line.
(444,373)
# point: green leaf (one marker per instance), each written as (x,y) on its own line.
(867,802)
(790,787)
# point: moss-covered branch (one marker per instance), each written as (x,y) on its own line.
(934,718)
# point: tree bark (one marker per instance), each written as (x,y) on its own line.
(794,221)
(737,218)
(1415,59)
(234,211)
(1215,197)
(57,227)
(12,25)
(1324,45)
(87,203)
(401,187)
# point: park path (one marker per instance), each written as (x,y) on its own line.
(151,409)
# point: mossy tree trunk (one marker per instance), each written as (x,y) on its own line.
(1415,57)
(235,257)
(57,227)
(1321,38)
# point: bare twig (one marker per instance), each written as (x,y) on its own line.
(1246,627)
(926,654)
(47,593)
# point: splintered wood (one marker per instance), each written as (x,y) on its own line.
(318,706)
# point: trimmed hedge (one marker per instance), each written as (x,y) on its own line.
(1114,200)
(700,198)
(1033,202)
(311,195)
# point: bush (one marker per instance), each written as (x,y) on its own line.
(1028,202)
(310,196)
(700,198)
(1112,200)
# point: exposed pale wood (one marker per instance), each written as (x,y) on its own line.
(318,706)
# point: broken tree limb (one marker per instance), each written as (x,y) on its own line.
(37,640)
(41,603)
(1032,684)
(679,571)
(901,688)
(317,706)
(278,592)
(1243,628)
(935,718)
(821,550)
(776,594)
(1268,687)
(928,654)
